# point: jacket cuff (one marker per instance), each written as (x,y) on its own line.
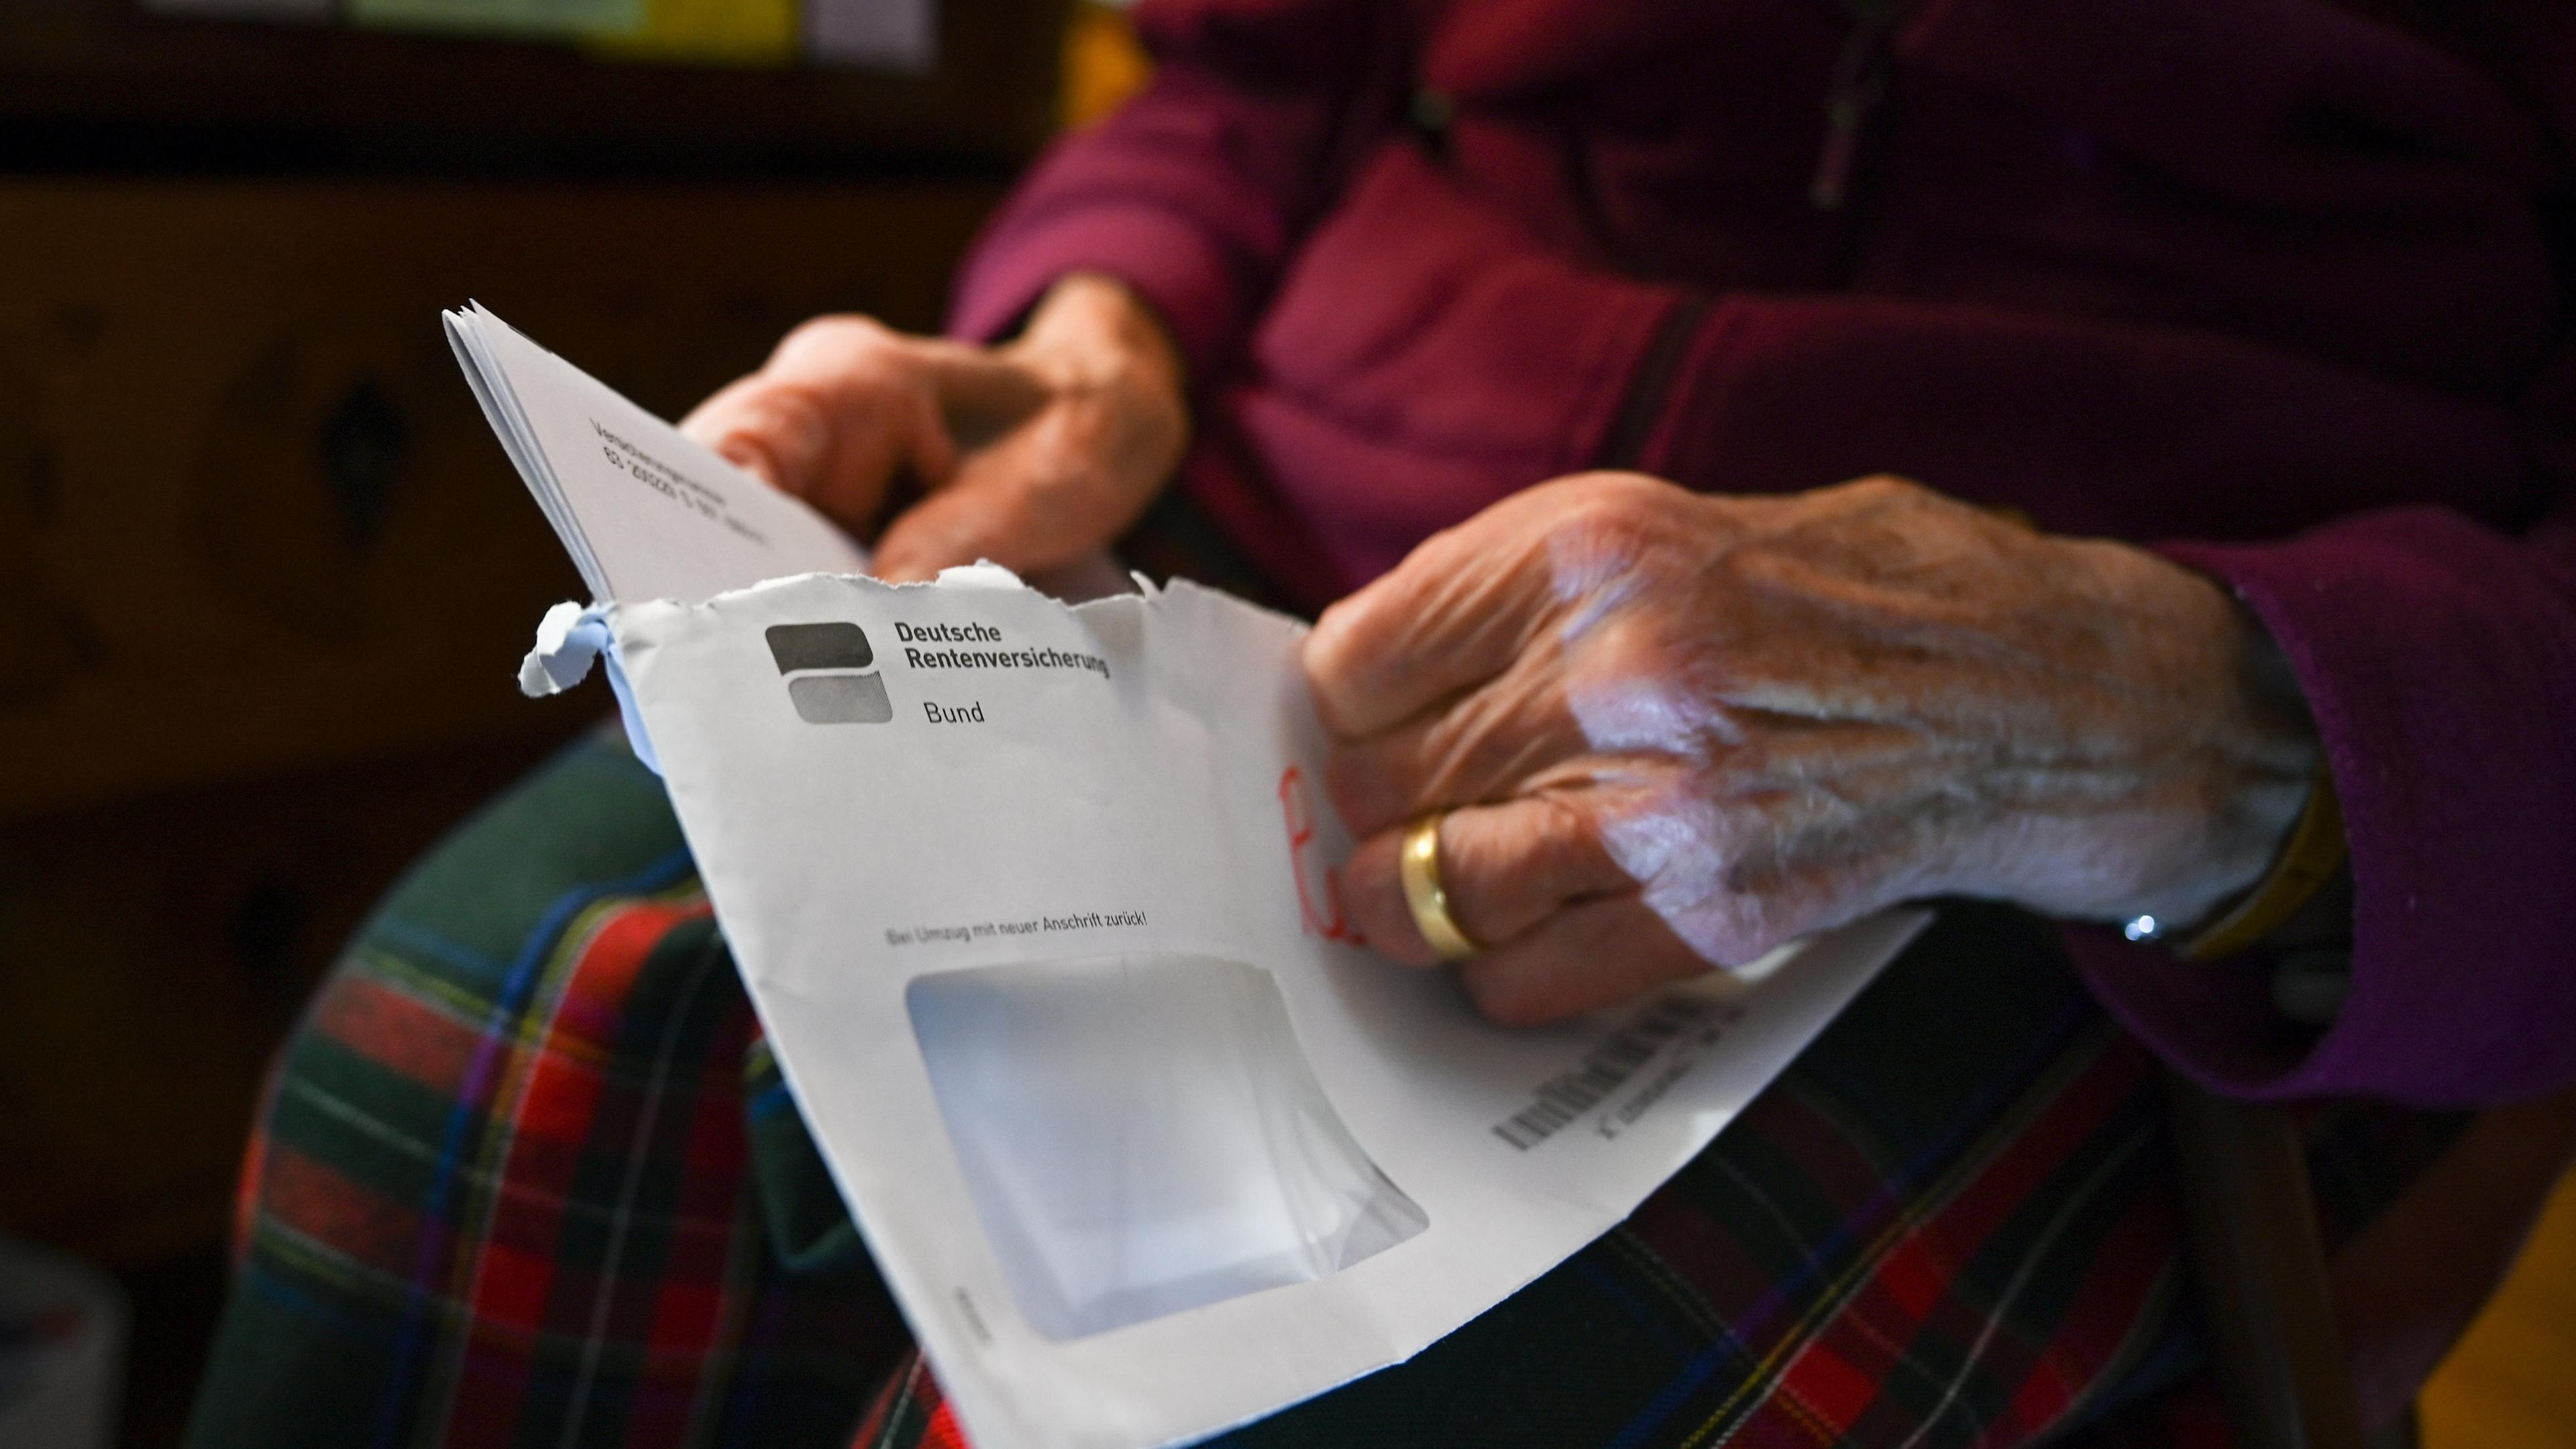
(2440,666)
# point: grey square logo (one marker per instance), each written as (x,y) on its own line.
(840,699)
(821,661)
(819,646)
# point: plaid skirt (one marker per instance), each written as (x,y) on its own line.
(527,1175)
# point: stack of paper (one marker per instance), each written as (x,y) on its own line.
(645,512)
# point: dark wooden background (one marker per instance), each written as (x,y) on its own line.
(265,575)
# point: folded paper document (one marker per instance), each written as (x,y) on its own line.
(1038,905)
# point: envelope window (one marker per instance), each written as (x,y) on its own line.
(1141,1135)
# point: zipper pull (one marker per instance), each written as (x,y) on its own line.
(1832,181)
(1859,83)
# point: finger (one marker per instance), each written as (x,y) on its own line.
(1456,612)
(1505,869)
(1093,575)
(747,427)
(919,436)
(1045,495)
(1483,746)
(840,408)
(831,351)
(1468,600)
(984,392)
(1008,504)
(1592,954)
(839,445)
(951,528)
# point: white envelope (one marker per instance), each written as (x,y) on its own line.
(1038,904)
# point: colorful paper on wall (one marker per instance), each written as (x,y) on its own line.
(571,19)
(896,35)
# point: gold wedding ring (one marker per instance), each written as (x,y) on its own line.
(1418,867)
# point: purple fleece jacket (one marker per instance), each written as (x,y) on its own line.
(2265,284)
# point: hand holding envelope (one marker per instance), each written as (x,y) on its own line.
(1030,454)
(1042,909)
(1654,731)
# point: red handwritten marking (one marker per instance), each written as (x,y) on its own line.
(1301,834)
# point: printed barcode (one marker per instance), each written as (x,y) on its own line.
(1564,1098)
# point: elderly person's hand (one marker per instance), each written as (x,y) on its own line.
(1033,454)
(1672,731)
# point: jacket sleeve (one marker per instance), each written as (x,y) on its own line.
(2439,658)
(1194,192)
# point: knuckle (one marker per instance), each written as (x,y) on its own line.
(1886,490)
(1634,672)
(847,335)
(1602,527)
(1480,868)
(1347,635)
(1566,826)
(1614,506)
(1738,930)
(1355,783)
(788,413)
(1629,648)
(822,331)
(1465,755)
(1606,483)
(1739,944)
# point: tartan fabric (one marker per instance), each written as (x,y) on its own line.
(528,1175)
(503,1192)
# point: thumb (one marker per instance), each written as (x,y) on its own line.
(747,428)
(874,432)
(969,520)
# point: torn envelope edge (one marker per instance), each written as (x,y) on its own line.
(571,635)
(488,380)
(568,638)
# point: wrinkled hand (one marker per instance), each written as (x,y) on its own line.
(1676,730)
(1032,454)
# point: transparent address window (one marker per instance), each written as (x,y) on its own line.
(1141,1135)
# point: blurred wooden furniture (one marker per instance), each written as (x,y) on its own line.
(2261,1271)
(265,575)
(2507,1382)
(2312,1356)
(101,79)
(249,514)
(254,535)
